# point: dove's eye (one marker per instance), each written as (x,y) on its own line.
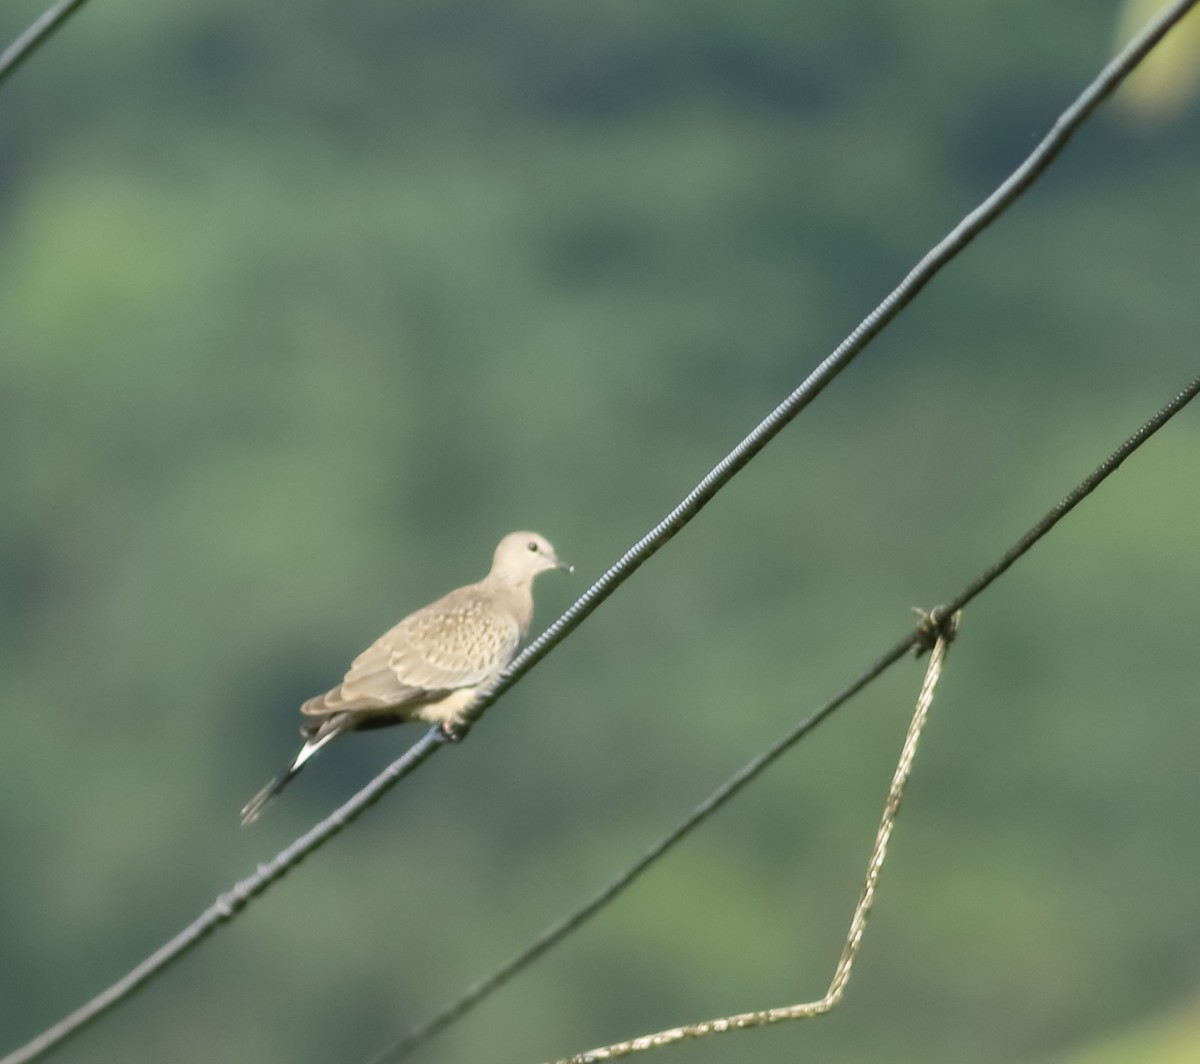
(533,545)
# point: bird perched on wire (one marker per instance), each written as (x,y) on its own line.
(433,663)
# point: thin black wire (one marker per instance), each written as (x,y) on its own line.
(37,34)
(917,639)
(1081,492)
(228,905)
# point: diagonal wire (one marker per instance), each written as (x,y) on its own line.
(917,278)
(915,640)
(228,905)
(1080,492)
(36,35)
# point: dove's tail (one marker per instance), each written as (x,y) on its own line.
(252,810)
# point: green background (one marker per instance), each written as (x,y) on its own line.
(303,305)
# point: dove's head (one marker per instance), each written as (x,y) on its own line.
(522,555)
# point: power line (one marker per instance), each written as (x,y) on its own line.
(1012,188)
(36,35)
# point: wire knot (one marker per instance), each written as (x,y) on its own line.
(934,624)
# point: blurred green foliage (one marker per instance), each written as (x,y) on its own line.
(303,305)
